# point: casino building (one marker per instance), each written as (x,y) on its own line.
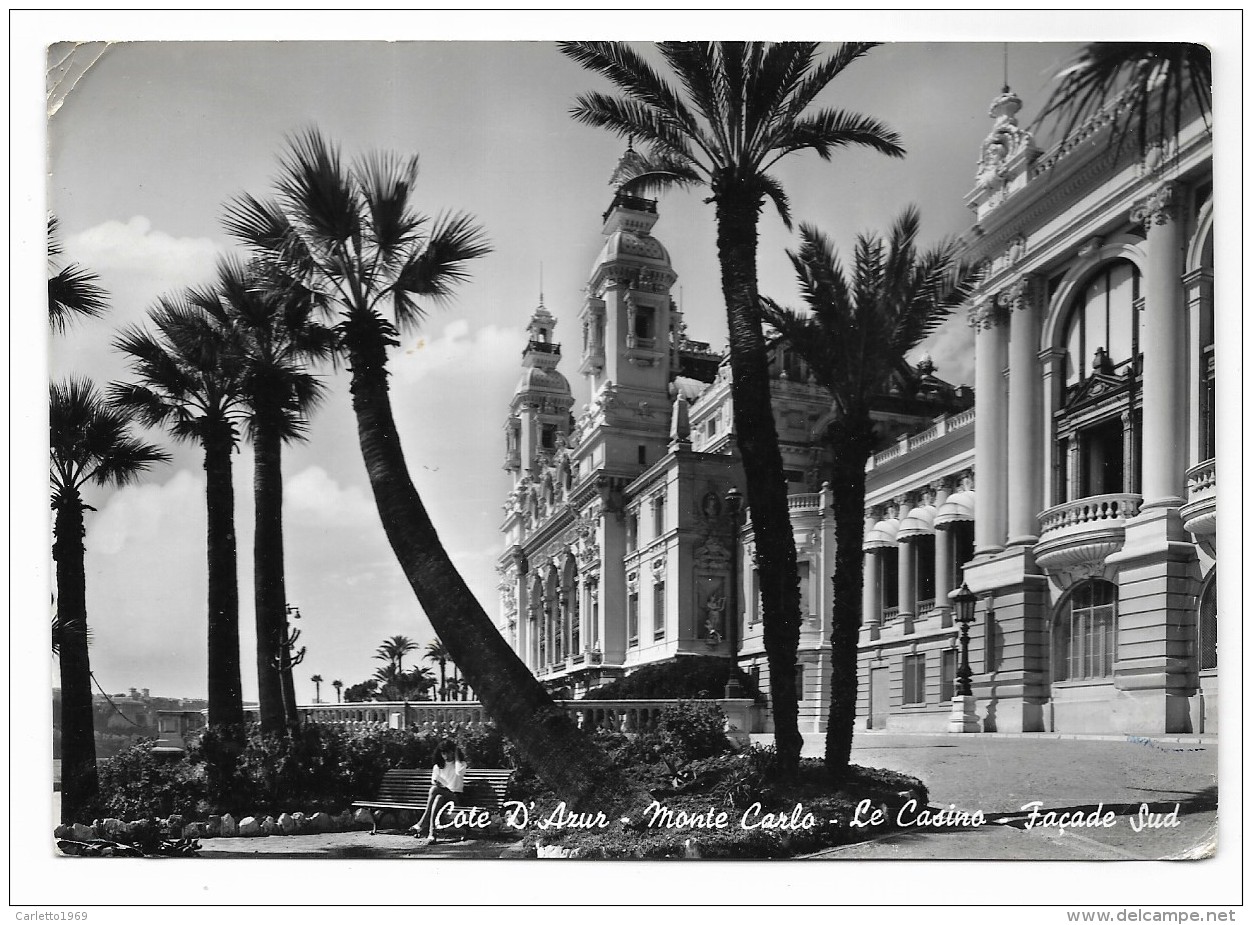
(1076,497)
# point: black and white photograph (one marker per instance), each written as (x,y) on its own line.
(472,447)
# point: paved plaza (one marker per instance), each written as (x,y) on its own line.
(1001,774)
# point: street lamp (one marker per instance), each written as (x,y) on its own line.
(963,718)
(734,505)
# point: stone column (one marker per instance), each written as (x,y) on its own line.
(1074,489)
(871,593)
(990,356)
(907,583)
(523,621)
(943,575)
(1164,337)
(1199,289)
(1052,383)
(1025,464)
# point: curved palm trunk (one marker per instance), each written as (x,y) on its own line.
(757,439)
(545,735)
(271,593)
(225,690)
(79,783)
(850,443)
(443,680)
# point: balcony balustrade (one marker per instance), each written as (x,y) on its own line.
(1075,538)
(1199,513)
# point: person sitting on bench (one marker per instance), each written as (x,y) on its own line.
(447,783)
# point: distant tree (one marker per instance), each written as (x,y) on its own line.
(338,686)
(359,693)
(394,650)
(436,651)
(317,688)
(90,443)
(855,336)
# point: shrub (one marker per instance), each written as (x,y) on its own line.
(692,730)
(687,677)
(137,785)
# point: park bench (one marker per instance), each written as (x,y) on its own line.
(407,789)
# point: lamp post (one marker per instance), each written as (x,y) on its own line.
(288,658)
(964,718)
(734,505)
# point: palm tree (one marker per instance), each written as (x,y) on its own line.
(71,289)
(278,337)
(744,107)
(317,688)
(190,375)
(1149,81)
(436,651)
(90,442)
(394,650)
(855,339)
(338,686)
(348,234)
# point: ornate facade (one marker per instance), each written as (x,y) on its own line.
(1094,536)
(1078,501)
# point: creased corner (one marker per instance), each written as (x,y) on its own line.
(68,63)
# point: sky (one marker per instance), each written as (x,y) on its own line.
(152,138)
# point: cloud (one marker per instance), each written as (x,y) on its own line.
(312,497)
(952,349)
(136,247)
(491,348)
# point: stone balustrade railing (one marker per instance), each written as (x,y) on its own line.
(1092,510)
(908,443)
(630,716)
(1202,478)
(890,615)
(804,502)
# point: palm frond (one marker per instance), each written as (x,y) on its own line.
(74,291)
(386,181)
(828,129)
(618,62)
(629,118)
(90,438)
(317,193)
(778,196)
(655,172)
(440,265)
(1142,85)
(820,76)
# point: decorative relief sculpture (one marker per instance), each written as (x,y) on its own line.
(1157,208)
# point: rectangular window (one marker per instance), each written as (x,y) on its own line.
(915,679)
(632,618)
(799,682)
(658,610)
(549,436)
(632,532)
(643,455)
(947,675)
(658,516)
(806,594)
(754,609)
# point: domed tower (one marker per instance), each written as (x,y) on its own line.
(539,412)
(628,316)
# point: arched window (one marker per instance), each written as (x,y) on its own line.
(1206,627)
(1103,319)
(1084,636)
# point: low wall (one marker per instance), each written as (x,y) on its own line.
(742,715)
